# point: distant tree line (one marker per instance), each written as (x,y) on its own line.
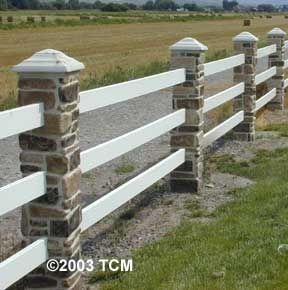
(160,5)
(229,5)
(266,8)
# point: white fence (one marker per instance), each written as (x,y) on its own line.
(31,116)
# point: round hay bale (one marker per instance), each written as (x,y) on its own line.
(30,19)
(268,16)
(84,17)
(9,19)
(247,22)
(286,16)
(43,18)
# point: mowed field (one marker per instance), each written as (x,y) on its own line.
(104,47)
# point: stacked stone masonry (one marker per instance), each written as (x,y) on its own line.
(189,95)
(53,148)
(277,36)
(246,43)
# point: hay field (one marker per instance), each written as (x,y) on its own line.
(103,47)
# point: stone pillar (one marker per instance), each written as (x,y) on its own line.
(246,43)
(277,36)
(188,53)
(52,78)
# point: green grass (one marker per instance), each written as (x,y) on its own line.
(281,128)
(120,74)
(241,241)
(125,168)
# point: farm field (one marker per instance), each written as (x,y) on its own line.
(103,47)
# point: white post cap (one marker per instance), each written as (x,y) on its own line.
(245,37)
(276,32)
(48,61)
(188,44)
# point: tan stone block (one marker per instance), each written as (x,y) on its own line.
(32,97)
(34,83)
(57,164)
(71,183)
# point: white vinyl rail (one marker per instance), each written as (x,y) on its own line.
(223,128)
(266,51)
(107,151)
(260,103)
(21,119)
(119,196)
(217,66)
(286,64)
(22,263)
(101,97)
(223,97)
(22,191)
(286,83)
(264,76)
(286,44)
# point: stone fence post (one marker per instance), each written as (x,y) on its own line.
(188,53)
(52,78)
(246,43)
(277,36)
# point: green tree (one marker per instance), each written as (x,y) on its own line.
(149,5)
(73,4)
(266,8)
(3,5)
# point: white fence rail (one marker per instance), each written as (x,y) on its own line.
(264,76)
(107,151)
(266,51)
(21,119)
(286,83)
(222,129)
(218,66)
(113,200)
(222,97)
(101,97)
(22,191)
(260,103)
(22,263)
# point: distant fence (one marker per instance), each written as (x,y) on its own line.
(51,162)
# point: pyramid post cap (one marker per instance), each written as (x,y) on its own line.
(276,31)
(189,43)
(48,61)
(245,37)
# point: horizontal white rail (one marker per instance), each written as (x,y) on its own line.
(223,128)
(22,191)
(22,263)
(21,119)
(101,97)
(265,51)
(217,66)
(107,151)
(286,64)
(266,75)
(265,99)
(286,44)
(285,83)
(223,97)
(119,196)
